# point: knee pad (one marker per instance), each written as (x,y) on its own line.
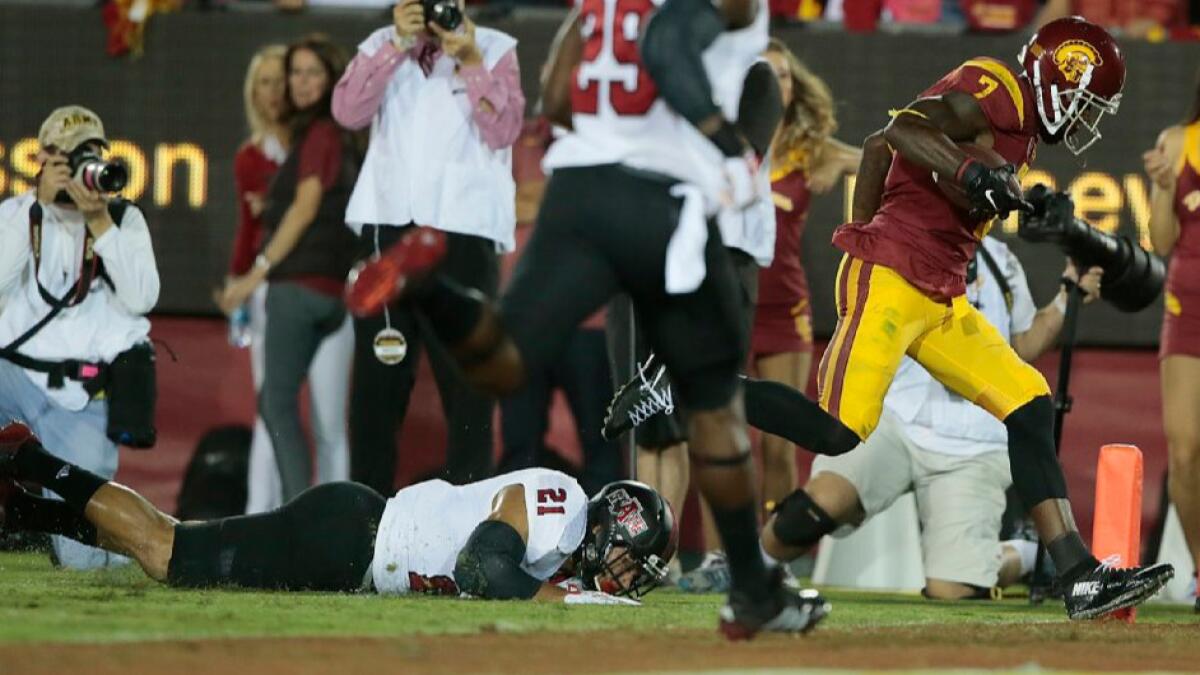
(799,521)
(1036,473)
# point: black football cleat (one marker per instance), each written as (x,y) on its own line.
(788,611)
(638,400)
(1107,589)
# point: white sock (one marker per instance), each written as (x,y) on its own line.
(1027,550)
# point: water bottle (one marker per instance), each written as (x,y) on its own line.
(239,327)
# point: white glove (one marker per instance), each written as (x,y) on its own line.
(741,189)
(580,597)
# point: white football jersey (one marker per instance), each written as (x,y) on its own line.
(425,526)
(617,115)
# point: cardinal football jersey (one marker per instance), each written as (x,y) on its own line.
(917,231)
(425,526)
(617,115)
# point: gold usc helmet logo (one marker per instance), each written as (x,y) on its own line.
(1073,58)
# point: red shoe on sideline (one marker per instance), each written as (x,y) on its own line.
(12,436)
(375,283)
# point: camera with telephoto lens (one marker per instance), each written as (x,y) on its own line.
(1133,276)
(445,13)
(91,170)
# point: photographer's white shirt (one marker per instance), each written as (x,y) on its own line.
(107,322)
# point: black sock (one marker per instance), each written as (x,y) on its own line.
(27,513)
(453,310)
(738,528)
(73,484)
(1071,556)
(778,409)
(1036,473)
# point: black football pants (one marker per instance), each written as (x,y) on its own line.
(323,540)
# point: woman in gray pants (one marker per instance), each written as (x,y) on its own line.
(307,254)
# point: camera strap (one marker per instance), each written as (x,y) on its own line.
(90,374)
(994,268)
(88,267)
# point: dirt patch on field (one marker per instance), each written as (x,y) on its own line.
(1105,647)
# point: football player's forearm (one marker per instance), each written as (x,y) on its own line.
(921,142)
(927,131)
(872,172)
(671,48)
(761,107)
(489,565)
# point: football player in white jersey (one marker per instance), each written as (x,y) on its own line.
(628,208)
(517,535)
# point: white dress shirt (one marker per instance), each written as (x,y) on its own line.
(427,161)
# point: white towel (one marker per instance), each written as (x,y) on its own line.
(685,268)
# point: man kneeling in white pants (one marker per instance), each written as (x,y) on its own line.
(950,453)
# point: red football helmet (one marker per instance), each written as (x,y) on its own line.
(1077,73)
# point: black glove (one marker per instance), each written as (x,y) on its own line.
(992,192)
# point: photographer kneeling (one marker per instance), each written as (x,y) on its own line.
(77,272)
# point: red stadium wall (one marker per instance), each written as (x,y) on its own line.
(1116,392)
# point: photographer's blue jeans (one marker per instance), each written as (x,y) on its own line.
(74,435)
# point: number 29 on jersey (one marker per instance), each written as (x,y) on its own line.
(610,79)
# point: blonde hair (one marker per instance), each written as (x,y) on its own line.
(254,118)
(808,121)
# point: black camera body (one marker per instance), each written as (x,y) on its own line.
(1133,276)
(90,170)
(445,13)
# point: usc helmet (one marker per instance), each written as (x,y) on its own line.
(1077,72)
(631,516)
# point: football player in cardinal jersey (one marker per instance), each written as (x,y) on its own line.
(901,285)
(507,537)
(653,153)
(901,288)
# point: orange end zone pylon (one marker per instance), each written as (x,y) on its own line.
(1117,526)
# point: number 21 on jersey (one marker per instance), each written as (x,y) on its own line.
(548,499)
(611,77)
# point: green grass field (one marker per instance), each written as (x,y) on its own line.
(39,605)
